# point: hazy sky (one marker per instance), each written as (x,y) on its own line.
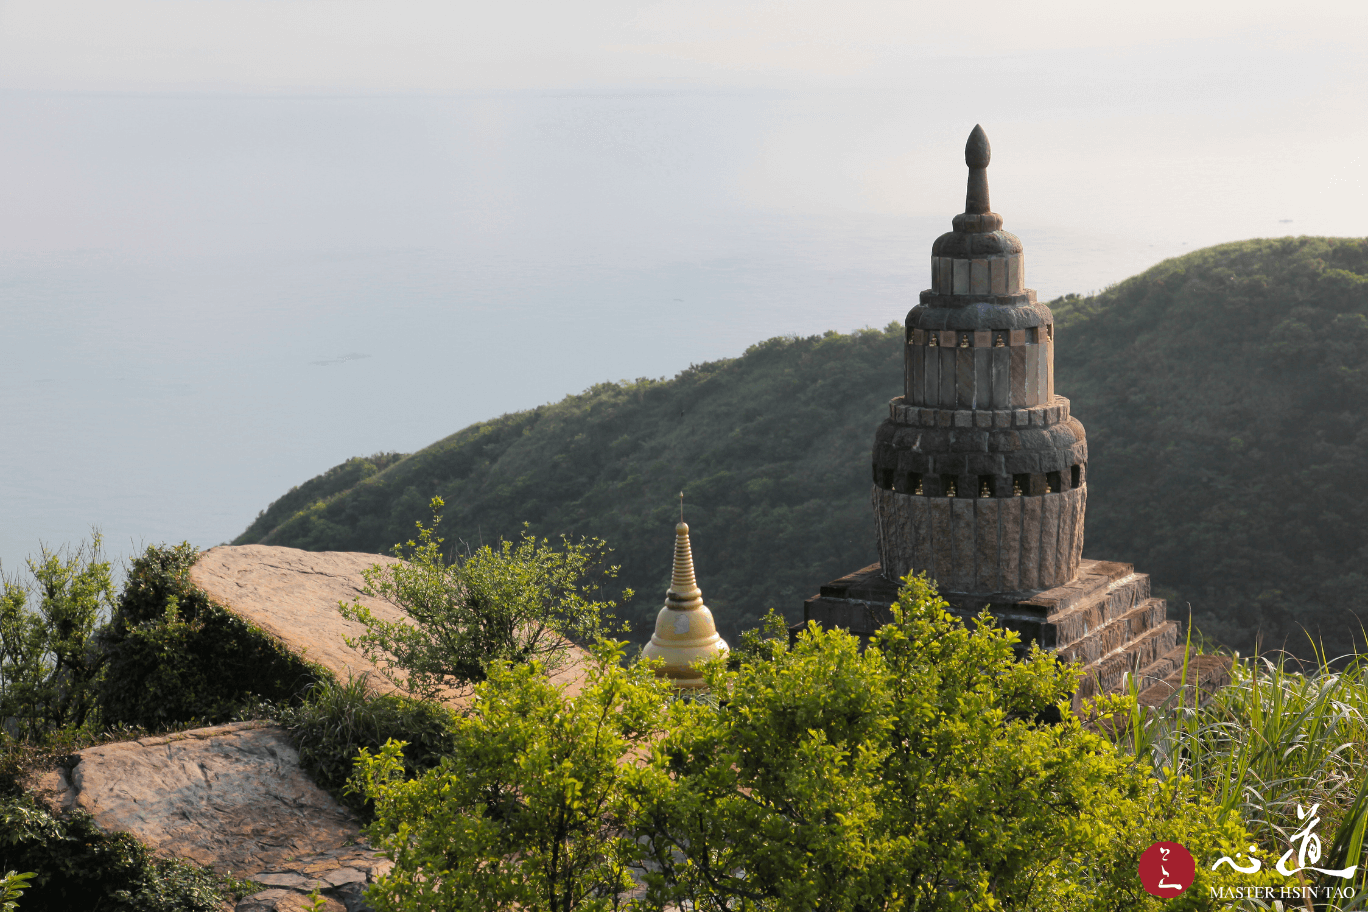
(1192,48)
(242,241)
(1119,106)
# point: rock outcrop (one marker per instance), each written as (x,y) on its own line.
(293,595)
(231,797)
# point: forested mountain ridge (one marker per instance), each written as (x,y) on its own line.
(770,449)
(1222,391)
(1225,394)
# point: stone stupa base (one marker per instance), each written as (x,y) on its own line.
(1104,618)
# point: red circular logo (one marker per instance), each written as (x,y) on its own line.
(1166,869)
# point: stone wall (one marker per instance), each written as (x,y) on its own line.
(980,369)
(982,544)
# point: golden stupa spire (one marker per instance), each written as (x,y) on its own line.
(684,631)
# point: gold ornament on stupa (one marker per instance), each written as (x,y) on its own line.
(684,630)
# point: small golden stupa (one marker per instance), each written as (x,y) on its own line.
(684,630)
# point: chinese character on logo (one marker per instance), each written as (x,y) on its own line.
(1310,850)
(1254,863)
(1166,869)
(1308,853)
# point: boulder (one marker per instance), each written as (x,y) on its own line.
(293,595)
(231,797)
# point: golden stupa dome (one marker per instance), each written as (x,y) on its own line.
(684,630)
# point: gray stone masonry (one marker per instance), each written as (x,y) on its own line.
(978,420)
(979,474)
(1104,618)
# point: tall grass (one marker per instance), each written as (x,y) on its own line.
(1278,737)
(336,719)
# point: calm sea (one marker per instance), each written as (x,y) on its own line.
(208,300)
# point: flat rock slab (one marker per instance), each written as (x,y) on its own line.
(231,797)
(293,595)
(284,901)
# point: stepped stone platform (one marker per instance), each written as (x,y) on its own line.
(1104,618)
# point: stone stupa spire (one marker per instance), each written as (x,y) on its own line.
(980,472)
(684,631)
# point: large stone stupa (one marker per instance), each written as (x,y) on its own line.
(981,472)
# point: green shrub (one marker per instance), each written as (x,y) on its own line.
(337,720)
(517,602)
(530,811)
(916,774)
(80,867)
(172,655)
(12,886)
(48,663)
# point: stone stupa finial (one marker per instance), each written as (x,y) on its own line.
(977,154)
(684,632)
(977,217)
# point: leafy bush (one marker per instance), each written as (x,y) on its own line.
(515,603)
(12,886)
(172,655)
(336,721)
(531,809)
(48,663)
(916,774)
(80,867)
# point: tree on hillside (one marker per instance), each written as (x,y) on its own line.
(515,602)
(1223,396)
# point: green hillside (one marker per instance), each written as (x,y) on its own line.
(1223,394)
(771,450)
